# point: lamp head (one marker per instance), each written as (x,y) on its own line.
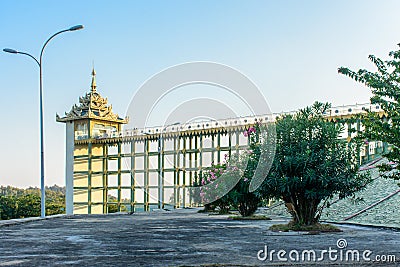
(9,50)
(76,27)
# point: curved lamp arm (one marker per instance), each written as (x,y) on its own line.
(29,55)
(12,51)
(39,62)
(73,28)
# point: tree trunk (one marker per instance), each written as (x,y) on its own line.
(303,211)
(248,205)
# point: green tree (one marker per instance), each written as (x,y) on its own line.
(55,201)
(385,86)
(238,171)
(311,164)
(208,194)
(245,201)
(28,206)
(112,208)
(8,207)
(21,203)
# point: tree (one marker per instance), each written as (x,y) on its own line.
(211,192)
(22,203)
(245,201)
(55,200)
(28,206)
(233,183)
(385,86)
(8,207)
(233,190)
(113,208)
(311,164)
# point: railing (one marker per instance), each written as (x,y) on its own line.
(231,122)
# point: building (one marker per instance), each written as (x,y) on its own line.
(92,118)
(110,169)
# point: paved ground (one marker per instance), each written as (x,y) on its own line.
(178,238)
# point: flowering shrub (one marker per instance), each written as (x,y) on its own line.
(251,130)
(245,201)
(212,188)
(226,185)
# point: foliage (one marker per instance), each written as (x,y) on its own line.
(22,203)
(113,208)
(28,206)
(307,228)
(385,86)
(239,168)
(210,177)
(14,191)
(8,207)
(311,164)
(251,218)
(245,201)
(55,201)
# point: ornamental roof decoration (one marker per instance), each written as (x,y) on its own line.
(92,106)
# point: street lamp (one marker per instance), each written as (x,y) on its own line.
(39,62)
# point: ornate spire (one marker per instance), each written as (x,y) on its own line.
(92,106)
(93,86)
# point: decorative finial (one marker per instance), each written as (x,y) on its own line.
(93,86)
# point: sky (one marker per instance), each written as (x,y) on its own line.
(290,49)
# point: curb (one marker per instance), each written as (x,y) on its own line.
(377,226)
(5,223)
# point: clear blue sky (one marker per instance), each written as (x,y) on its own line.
(290,49)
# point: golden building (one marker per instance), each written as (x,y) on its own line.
(85,167)
(110,169)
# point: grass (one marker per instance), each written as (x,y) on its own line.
(315,228)
(252,217)
(217,212)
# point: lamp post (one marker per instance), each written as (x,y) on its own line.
(39,62)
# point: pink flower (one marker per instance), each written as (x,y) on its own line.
(245,179)
(249,131)
(249,151)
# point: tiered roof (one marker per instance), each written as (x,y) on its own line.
(92,106)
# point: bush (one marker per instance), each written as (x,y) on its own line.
(233,191)
(312,164)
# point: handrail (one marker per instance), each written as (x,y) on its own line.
(371,206)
